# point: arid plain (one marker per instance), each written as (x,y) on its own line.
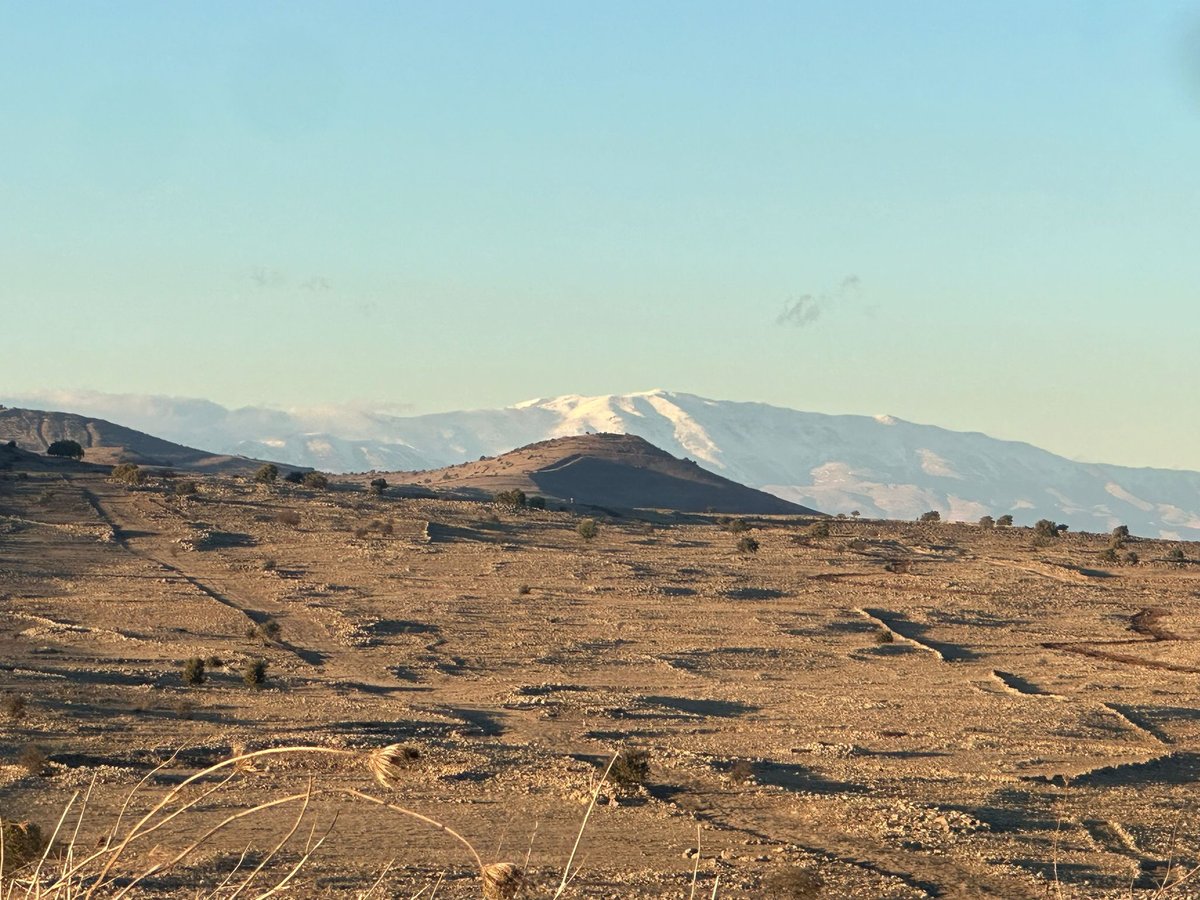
(890,711)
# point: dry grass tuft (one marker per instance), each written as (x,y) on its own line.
(502,881)
(388,764)
(20,844)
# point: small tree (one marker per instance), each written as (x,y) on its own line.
(1120,533)
(537,502)
(267,474)
(66,449)
(316,480)
(294,477)
(587,529)
(987,522)
(1004,522)
(930,517)
(377,487)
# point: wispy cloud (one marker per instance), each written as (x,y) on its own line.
(804,310)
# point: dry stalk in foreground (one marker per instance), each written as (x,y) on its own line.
(33,868)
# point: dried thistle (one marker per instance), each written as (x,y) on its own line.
(502,880)
(388,763)
(241,763)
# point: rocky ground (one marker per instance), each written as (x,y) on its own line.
(891,711)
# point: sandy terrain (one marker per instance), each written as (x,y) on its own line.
(1034,712)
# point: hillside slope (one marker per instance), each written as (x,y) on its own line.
(608,470)
(107,443)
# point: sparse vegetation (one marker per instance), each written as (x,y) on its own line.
(523,590)
(128,473)
(1120,533)
(747,544)
(884,636)
(33,759)
(1177,556)
(929,517)
(267,474)
(631,767)
(1108,555)
(1044,528)
(254,672)
(295,476)
(288,517)
(515,498)
(819,529)
(1004,521)
(733,525)
(536,502)
(267,631)
(587,529)
(13,707)
(316,480)
(193,672)
(65,449)
(377,487)
(987,522)
(184,488)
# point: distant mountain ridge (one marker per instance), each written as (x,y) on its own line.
(880,466)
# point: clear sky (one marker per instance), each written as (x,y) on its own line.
(979,215)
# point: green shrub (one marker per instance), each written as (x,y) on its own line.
(587,529)
(524,590)
(265,631)
(747,544)
(1176,555)
(537,502)
(65,449)
(254,672)
(377,487)
(987,522)
(294,477)
(193,671)
(1120,533)
(267,474)
(316,480)
(1131,558)
(728,523)
(1004,522)
(932,516)
(1108,555)
(884,636)
(184,488)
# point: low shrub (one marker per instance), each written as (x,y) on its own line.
(1004,521)
(254,672)
(587,529)
(13,706)
(747,545)
(377,487)
(524,590)
(33,759)
(885,636)
(288,517)
(631,767)
(294,477)
(819,529)
(987,522)
(536,502)
(267,474)
(515,498)
(316,480)
(193,672)
(127,473)
(930,517)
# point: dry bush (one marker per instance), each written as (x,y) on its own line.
(630,767)
(747,544)
(819,529)
(885,636)
(524,590)
(32,759)
(13,707)
(193,672)
(127,473)
(586,529)
(287,517)
(742,771)
(254,672)
(23,844)
(793,883)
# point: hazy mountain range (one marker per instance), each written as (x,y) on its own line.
(879,466)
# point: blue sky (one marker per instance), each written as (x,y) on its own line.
(980,215)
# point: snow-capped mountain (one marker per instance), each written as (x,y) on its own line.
(880,466)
